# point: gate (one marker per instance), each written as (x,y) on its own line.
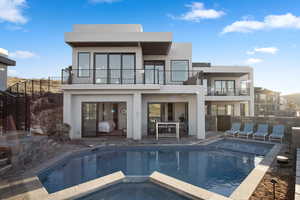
(223,122)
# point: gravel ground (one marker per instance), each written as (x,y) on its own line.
(284,175)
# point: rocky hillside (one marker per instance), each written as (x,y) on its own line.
(295,98)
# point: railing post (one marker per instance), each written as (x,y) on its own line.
(32,87)
(49,84)
(40,87)
(25,88)
(154,75)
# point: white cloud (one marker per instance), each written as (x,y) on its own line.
(253,60)
(103,1)
(22,54)
(270,22)
(269,50)
(198,12)
(11,11)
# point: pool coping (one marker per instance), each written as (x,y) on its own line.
(248,186)
(242,192)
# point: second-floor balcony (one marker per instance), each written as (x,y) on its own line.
(146,76)
(131,76)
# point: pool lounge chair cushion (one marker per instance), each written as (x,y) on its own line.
(278,132)
(235,128)
(248,129)
(262,130)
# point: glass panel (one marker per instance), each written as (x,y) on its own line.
(230,110)
(115,68)
(160,74)
(179,70)
(149,74)
(218,87)
(89,117)
(221,110)
(83,64)
(128,69)
(214,110)
(230,87)
(101,68)
(154,115)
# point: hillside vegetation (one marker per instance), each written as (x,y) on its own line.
(295,98)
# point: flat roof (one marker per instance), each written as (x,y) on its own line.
(152,43)
(6,61)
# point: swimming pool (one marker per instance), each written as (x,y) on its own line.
(134,191)
(218,167)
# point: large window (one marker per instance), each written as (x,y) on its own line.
(154,72)
(179,70)
(83,64)
(225,87)
(117,68)
(222,109)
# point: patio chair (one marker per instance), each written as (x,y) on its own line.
(277,133)
(248,130)
(262,131)
(235,128)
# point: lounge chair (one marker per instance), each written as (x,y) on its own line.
(277,133)
(262,131)
(248,130)
(235,128)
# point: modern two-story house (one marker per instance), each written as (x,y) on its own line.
(123,81)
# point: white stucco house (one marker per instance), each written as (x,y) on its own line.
(123,81)
(4,63)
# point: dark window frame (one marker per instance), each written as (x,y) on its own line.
(154,63)
(108,78)
(78,69)
(171,70)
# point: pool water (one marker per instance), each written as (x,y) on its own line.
(134,191)
(219,167)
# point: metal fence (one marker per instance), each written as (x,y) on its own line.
(15,102)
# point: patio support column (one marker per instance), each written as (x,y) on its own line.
(137,116)
(200,115)
(251,102)
(67,114)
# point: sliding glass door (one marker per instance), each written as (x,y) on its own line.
(89,119)
(154,72)
(114,68)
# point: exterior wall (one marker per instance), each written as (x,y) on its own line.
(136,102)
(93,50)
(163,98)
(73,104)
(3,77)
(178,51)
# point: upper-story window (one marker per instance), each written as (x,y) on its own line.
(115,68)
(179,70)
(83,64)
(225,87)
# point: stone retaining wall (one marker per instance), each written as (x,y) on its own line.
(29,149)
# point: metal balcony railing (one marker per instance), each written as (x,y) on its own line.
(131,76)
(211,91)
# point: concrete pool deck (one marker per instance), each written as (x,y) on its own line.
(29,187)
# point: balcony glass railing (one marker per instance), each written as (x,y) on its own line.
(131,76)
(211,91)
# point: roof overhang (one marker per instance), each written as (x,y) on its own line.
(7,61)
(152,43)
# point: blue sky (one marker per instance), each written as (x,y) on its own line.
(261,33)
